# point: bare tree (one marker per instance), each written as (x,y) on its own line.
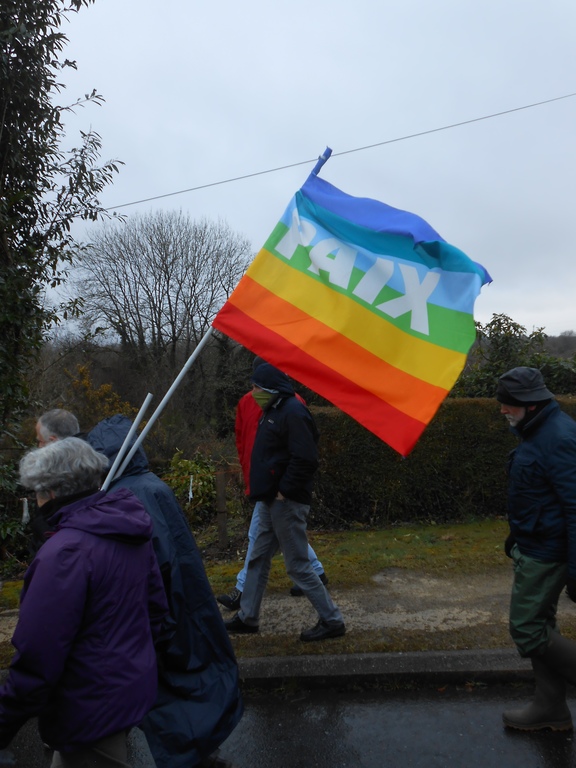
(157,281)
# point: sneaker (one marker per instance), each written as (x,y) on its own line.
(297,592)
(237,626)
(322,630)
(231,601)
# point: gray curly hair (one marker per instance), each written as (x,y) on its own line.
(64,467)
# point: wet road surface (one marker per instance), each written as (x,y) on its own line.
(378,728)
(431,728)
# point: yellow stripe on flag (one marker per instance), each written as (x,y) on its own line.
(418,358)
(410,395)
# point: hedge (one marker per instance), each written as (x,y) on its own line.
(456,471)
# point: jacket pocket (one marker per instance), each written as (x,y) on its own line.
(525,518)
(525,500)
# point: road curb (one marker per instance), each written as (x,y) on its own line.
(433,667)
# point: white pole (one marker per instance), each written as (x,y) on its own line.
(165,399)
(126,443)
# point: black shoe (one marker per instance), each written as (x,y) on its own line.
(297,592)
(237,626)
(231,601)
(322,630)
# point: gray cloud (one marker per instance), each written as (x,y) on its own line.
(200,92)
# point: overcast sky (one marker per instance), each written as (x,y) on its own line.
(199,92)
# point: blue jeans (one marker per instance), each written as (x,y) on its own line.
(252,532)
(283,526)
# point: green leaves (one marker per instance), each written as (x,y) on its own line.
(44,187)
(503,344)
(193,482)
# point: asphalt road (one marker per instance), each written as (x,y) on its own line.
(381,727)
(431,728)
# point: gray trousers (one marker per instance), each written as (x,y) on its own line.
(110,752)
(283,526)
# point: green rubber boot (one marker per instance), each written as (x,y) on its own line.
(548,708)
(560,655)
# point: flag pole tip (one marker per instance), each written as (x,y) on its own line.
(321,160)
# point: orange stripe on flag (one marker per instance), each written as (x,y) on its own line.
(414,397)
(397,429)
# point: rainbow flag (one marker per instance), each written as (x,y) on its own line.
(364,304)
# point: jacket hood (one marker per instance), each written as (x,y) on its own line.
(108,436)
(118,514)
(271,379)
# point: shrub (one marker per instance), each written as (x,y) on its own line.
(194,484)
(456,472)
(13,539)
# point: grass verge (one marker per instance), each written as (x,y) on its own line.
(352,558)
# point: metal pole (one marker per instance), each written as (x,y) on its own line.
(126,443)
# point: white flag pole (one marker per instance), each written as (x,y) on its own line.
(126,443)
(165,399)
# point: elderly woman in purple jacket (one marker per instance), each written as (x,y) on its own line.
(91,606)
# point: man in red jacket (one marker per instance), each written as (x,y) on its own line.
(248,414)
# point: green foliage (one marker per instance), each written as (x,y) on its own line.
(559,373)
(14,548)
(503,344)
(202,470)
(10,595)
(8,484)
(352,558)
(13,538)
(44,187)
(456,471)
(10,530)
(9,526)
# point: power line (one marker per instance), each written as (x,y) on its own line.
(346,151)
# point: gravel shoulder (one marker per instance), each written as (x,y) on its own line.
(402,600)
(428,612)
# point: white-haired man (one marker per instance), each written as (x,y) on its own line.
(56,425)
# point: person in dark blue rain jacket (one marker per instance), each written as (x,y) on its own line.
(542,542)
(199,702)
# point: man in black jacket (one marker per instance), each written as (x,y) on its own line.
(282,467)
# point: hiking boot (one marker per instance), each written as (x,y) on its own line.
(231,601)
(297,592)
(237,626)
(322,631)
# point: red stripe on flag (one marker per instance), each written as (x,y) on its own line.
(417,398)
(392,426)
